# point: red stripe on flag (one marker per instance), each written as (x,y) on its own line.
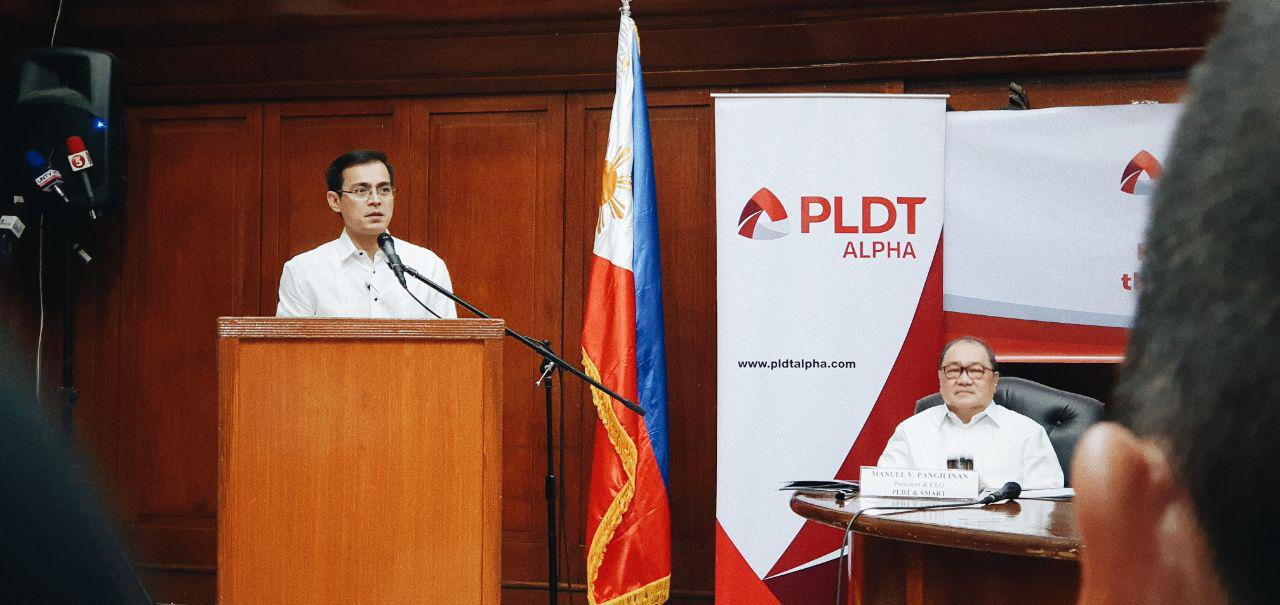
(609,325)
(636,559)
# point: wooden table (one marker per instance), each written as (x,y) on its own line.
(1022,551)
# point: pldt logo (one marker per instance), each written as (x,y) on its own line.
(763,217)
(1131,180)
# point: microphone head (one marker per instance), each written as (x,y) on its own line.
(1011,490)
(384,238)
(75,144)
(1008,491)
(35,161)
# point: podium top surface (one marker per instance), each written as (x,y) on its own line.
(343,327)
(1029,528)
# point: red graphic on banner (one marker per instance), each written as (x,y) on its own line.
(1024,340)
(735,581)
(908,381)
(1143,162)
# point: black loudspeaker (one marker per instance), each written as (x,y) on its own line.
(64,93)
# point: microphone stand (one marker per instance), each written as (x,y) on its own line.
(549,485)
(550,362)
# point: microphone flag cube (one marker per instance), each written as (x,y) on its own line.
(48,179)
(80,160)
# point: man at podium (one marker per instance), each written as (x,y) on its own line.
(971,431)
(349,276)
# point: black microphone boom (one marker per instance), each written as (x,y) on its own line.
(389,248)
(538,347)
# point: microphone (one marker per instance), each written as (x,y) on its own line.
(47,177)
(393,259)
(79,160)
(1009,491)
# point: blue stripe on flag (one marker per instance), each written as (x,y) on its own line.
(651,348)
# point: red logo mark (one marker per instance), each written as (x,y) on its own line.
(1143,162)
(763,204)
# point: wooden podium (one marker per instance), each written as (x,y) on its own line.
(359,461)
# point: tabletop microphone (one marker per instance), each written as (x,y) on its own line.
(393,259)
(79,160)
(47,177)
(1009,491)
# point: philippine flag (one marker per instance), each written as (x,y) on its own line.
(628,518)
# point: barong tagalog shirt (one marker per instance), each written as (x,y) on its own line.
(338,279)
(1003,444)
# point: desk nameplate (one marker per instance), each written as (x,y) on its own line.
(919,483)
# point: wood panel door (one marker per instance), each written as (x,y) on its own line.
(681,130)
(300,141)
(486,185)
(191,254)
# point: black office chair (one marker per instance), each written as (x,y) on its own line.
(1064,416)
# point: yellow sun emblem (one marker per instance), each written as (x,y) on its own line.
(610,184)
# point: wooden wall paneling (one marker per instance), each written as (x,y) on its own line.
(582,183)
(288,51)
(300,140)
(95,322)
(191,255)
(97,352)
(682,134)
(487,179)
(1044,92)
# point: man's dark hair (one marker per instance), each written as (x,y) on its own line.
(1202,374)
(991,355)
(359,157)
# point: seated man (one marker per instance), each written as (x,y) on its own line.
(971,431)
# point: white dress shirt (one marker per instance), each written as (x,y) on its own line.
(338,279)
(1004,445)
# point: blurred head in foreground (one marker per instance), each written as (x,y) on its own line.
(57,544)
(1176,501)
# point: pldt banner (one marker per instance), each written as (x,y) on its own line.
(1046,211)
(829,215)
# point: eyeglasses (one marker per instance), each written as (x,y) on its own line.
(360,194)
(976,371)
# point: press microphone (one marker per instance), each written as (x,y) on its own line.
(79,160)
(1009,491)
(47,177)
(393,259)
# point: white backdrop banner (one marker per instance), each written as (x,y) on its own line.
(829,212)
(1046,210)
